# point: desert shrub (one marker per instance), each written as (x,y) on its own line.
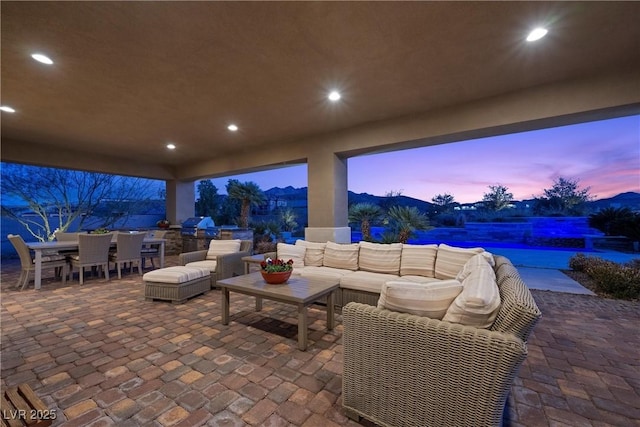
(618,280)
(579,262)
(634,263)
(446,220)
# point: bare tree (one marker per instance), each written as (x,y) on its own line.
(60,197)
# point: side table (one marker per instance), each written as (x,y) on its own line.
(253,259)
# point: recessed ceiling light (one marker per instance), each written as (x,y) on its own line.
(7,109)
(171,146)
(537,34)
(232,127)
(334,96)
(42,58)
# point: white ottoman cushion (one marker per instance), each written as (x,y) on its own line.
(179,274)
(208,264)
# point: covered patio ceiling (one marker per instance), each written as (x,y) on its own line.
(130,77)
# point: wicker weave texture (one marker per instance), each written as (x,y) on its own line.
(228,265)
(344,296)
(406,370)
(176,292)
(519,312)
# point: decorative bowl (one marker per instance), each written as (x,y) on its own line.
(276,278)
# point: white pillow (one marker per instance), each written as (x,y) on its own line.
(344,256)
(478,303)
(429,300)
(418,260)
(314,253)
(450,260)
(380,258)
(222,247)
(286,252)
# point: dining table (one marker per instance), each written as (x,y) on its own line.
(39,247)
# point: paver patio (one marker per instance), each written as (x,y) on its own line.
(101,355)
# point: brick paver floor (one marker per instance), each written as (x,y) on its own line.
(101,355)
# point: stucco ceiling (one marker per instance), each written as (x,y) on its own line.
(131,76)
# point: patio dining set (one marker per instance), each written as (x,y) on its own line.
(78,251)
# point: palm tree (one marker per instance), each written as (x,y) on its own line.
(407,220)
(288,220)
(365,214)
(249,194)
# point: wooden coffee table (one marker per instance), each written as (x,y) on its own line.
(300,291)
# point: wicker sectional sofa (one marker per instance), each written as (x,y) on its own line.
(363,268)
(402,369)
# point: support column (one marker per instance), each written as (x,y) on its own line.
(181,200)
(327,198)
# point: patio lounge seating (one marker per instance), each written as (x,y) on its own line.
(406,370)
(53,260)
(223,258)
(176,284)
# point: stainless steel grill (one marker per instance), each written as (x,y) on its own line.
(199,226)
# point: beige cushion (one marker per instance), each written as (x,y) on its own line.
(429,300)
(209,264)
(380,258)
(418,260)
(366,281)
(288,252)
(479,302)
(54,257)
(314,253)
(222,247)
(476,261)
(343,256)
(323,272)
(418,279)
(450,260)
(178,274)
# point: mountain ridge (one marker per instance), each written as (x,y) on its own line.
(630,199)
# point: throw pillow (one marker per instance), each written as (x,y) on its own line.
(476,261)
(314,253)
(418,260)
(450,260)
(429,300)
(478,303)
(380,258)
(286,252)
(344,256)
(222,247)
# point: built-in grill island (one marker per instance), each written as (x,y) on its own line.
(197,232)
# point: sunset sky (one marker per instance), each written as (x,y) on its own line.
(602,155)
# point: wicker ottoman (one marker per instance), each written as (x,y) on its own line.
(176,284)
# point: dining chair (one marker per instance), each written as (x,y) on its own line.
(63,236)
(128,249)
(93,250)
(27,262)
(152,251)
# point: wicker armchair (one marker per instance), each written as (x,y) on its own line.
(228,265)
(406,370)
